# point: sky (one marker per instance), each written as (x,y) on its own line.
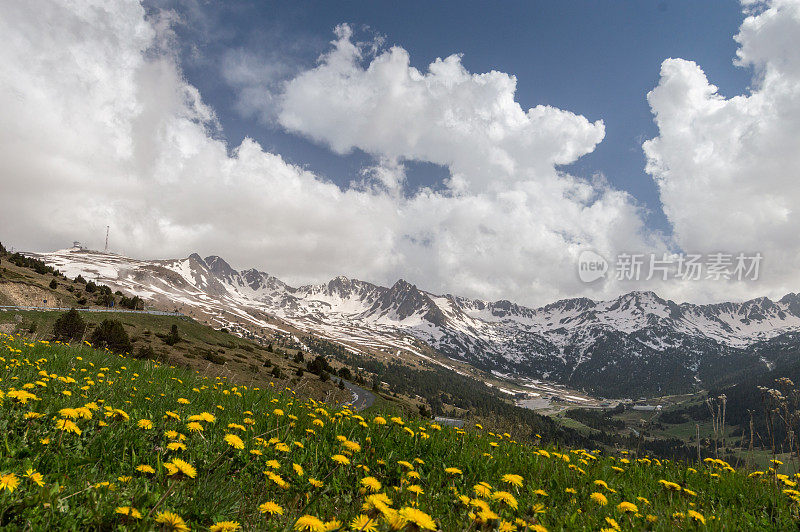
(470,149)
(580,56)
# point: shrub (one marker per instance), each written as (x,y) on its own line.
(111,334)
(319,365)
(105,300)
(173,337)
(133,303)
(69,326)
(276,372)
(53,284)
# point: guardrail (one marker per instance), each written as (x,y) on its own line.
(126,311)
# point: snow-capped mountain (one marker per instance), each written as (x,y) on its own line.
(635,344)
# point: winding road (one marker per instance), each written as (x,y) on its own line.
(362,399)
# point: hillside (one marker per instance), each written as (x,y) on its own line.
(635,345)
(99,441)
(213,352)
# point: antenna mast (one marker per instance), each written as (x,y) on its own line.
(106,251)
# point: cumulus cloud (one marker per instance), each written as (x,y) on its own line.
(728,169)
(470,123)
(100,128)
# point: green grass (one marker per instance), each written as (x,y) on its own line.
(231,483)
(202,348)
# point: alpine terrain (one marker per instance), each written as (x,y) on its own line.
(635,345)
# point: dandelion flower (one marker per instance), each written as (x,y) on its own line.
(225,526)
(416,489)
(172,521)
(670,486)
(697,516)
(145,424)
(34,476)
(340,459)
(67,425)
(514,480)
(363,523)
(418,517)
(506,498)
(309,523)
(144,468)
(180,466)
(234,441)
(627,507)
(599,498)
(8,482)
(129,511)
(351,446)
(270,508)
(371,483)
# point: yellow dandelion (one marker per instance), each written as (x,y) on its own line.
(363,523)
(172,521)
(271,508)
(234,441)
(225,526)
(129,511)
(309,523)
(340,459)
(599,498)
(34,476)
(8,482)
(422,520)
(514,480)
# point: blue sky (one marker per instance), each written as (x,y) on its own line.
(597,59)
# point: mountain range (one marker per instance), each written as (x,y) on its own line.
(635,345)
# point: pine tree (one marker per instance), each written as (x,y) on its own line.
(69,326)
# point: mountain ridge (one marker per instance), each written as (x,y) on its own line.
(590,344)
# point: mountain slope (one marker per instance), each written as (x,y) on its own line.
(636,344)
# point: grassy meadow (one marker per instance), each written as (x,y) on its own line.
(96,441)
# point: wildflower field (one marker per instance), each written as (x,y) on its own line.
(93,440)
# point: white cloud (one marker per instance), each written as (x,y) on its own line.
(448,116)
(99,127)
(728,170)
